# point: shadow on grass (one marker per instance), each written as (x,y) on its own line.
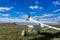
(48,36)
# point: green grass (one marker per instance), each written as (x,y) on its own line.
(13,32)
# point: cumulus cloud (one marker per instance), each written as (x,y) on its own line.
(50,20)
(35,17)
(47,15)
(9,20)
(56,3)
(58,17)
(19,12)
(3,9)
(35,7)
(25,16)
(44,16)
(32,12)
(47,18)
(0,13)
(57,10)
(59,14)
(6,15)
(15,3)
(36,2)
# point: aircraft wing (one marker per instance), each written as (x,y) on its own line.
(52,27)
(42,25)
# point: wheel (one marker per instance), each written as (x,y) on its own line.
(24,33)
(38,31)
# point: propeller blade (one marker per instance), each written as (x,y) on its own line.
(28,17)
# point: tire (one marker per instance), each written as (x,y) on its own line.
(24,33)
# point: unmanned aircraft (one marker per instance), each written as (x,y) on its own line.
(31,24)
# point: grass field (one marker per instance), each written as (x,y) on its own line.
(13,32)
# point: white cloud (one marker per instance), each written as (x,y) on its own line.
(58,17)
(32,12)
(47,18)
(24,16)
(11,7)
(3,9)
(6,15)
(5,20)
(41,7)
(35,7)
(57,10)
(0,13)
(36,17)
(19,12)
(56,3)
(50,20)
(36,2)
(15,3)
(44,16)
(10,20)
(47,15)
(59,14)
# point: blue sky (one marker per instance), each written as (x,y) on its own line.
(41,10)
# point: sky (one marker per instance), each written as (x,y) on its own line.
(42,10)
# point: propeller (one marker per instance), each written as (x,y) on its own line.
(28,17)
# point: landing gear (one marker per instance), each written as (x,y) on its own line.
(24,33)
(37,31)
